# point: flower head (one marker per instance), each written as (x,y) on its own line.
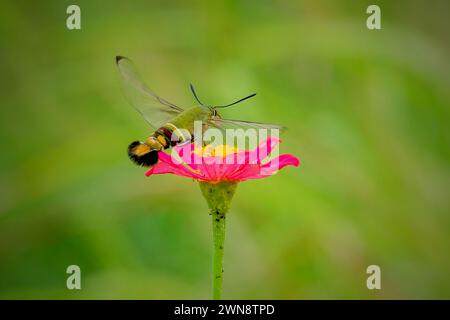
(219,169)
(223,163)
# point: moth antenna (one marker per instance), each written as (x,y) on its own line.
(195,94)
(240,100)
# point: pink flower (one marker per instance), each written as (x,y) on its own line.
(223,163)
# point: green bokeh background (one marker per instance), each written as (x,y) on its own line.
(367,112)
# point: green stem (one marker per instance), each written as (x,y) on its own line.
(218,196)
(218,224)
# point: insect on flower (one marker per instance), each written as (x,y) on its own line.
(171,125)
(217,168)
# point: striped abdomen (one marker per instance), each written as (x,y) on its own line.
(146,153)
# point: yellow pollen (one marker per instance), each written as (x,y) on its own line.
(221,150)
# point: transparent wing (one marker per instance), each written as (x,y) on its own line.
(155,110)
(224,124)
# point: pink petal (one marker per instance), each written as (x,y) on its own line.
(266,147)
(208,171)
(185,152)
(262,151)
(282,161)
(166,165)
(245,172)
(258,172)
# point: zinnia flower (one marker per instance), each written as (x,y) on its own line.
(219,170)
(223,163)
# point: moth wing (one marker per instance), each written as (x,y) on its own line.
(155,110)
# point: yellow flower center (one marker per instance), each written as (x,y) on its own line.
(221,150)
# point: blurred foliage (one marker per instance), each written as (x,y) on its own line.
(367,112)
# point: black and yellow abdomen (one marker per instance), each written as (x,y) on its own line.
(146,153)
(169,135)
